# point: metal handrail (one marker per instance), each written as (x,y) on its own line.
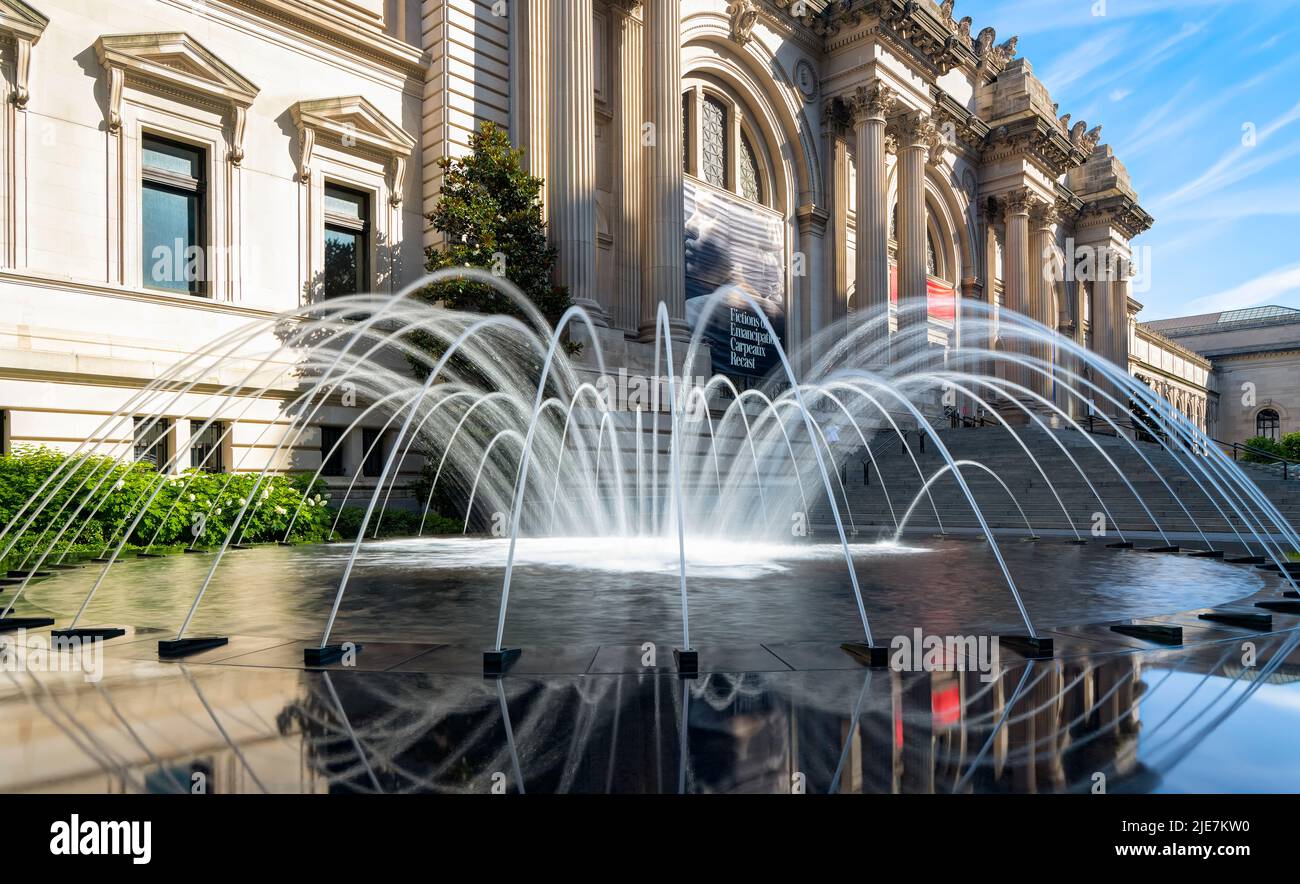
(1236,447)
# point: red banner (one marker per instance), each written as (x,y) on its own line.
(942,297)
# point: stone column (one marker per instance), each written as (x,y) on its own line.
(834,120)
(1015,276)
(1103,329)
(629,96)
(871,105)
(814,307)
(573,152)
(534,112)
(915,133)
(1119,290)
(663,268)
(1041,218)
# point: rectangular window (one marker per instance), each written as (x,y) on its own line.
(331,451)
(206,448)
(347,242)
(374,453)
(173,226)
(151,441)
(4,432)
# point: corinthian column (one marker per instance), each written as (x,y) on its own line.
(630,94)
(1119,291)
(915,137)
(572,197)
(663,273)
(1015,274)
(834,129)
(870,106)
(1041,218)
(533,110)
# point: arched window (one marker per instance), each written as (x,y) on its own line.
(1268,424)
(932,265)
(719,144)
(714,142)
(751,185)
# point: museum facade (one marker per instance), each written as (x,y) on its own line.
(172,169)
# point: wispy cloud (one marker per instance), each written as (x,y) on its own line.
(1276,286)
(1081,61)
(1237,164)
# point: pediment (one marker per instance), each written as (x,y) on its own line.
(354,121)
(175,60)
(21,20)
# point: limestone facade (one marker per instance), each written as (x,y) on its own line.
(1253,356)
(884,149)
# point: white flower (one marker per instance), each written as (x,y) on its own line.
(192,498)
(243,502)
(280,510)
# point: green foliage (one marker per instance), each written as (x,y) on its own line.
(102,498)
(491,207)
(392,523)
(1287,447)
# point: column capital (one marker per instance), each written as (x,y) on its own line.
(1016,201)
(1042,216)
(812,220)
(914,130)
(872,101)
(626,6)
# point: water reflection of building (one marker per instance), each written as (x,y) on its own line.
(1051,727)
(760,733)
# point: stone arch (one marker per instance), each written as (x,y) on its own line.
(948,211)
(757,77)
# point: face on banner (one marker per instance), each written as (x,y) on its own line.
(736,247)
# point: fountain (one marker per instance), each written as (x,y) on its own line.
(541,466)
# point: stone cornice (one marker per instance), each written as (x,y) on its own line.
(356,125)
(175,62)
(1117,210)
(1037,138)
(312,19)
(968,130)
(927,34)
(24,25)
(21,21)
(1068,205)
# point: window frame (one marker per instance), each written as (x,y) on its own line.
(339,445)
(163,440)
(147,93)
(1264,430)
(740,127)
(346,224)
(372,452)
(195,188)
(220,430)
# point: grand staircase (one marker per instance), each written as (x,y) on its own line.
(1177,503)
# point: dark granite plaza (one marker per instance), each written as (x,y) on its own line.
(777,706)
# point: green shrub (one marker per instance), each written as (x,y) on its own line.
(393,523)
(1265,446)
(102,498)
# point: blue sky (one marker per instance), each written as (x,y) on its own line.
(1178,86)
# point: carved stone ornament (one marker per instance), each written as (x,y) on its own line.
(743,15)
